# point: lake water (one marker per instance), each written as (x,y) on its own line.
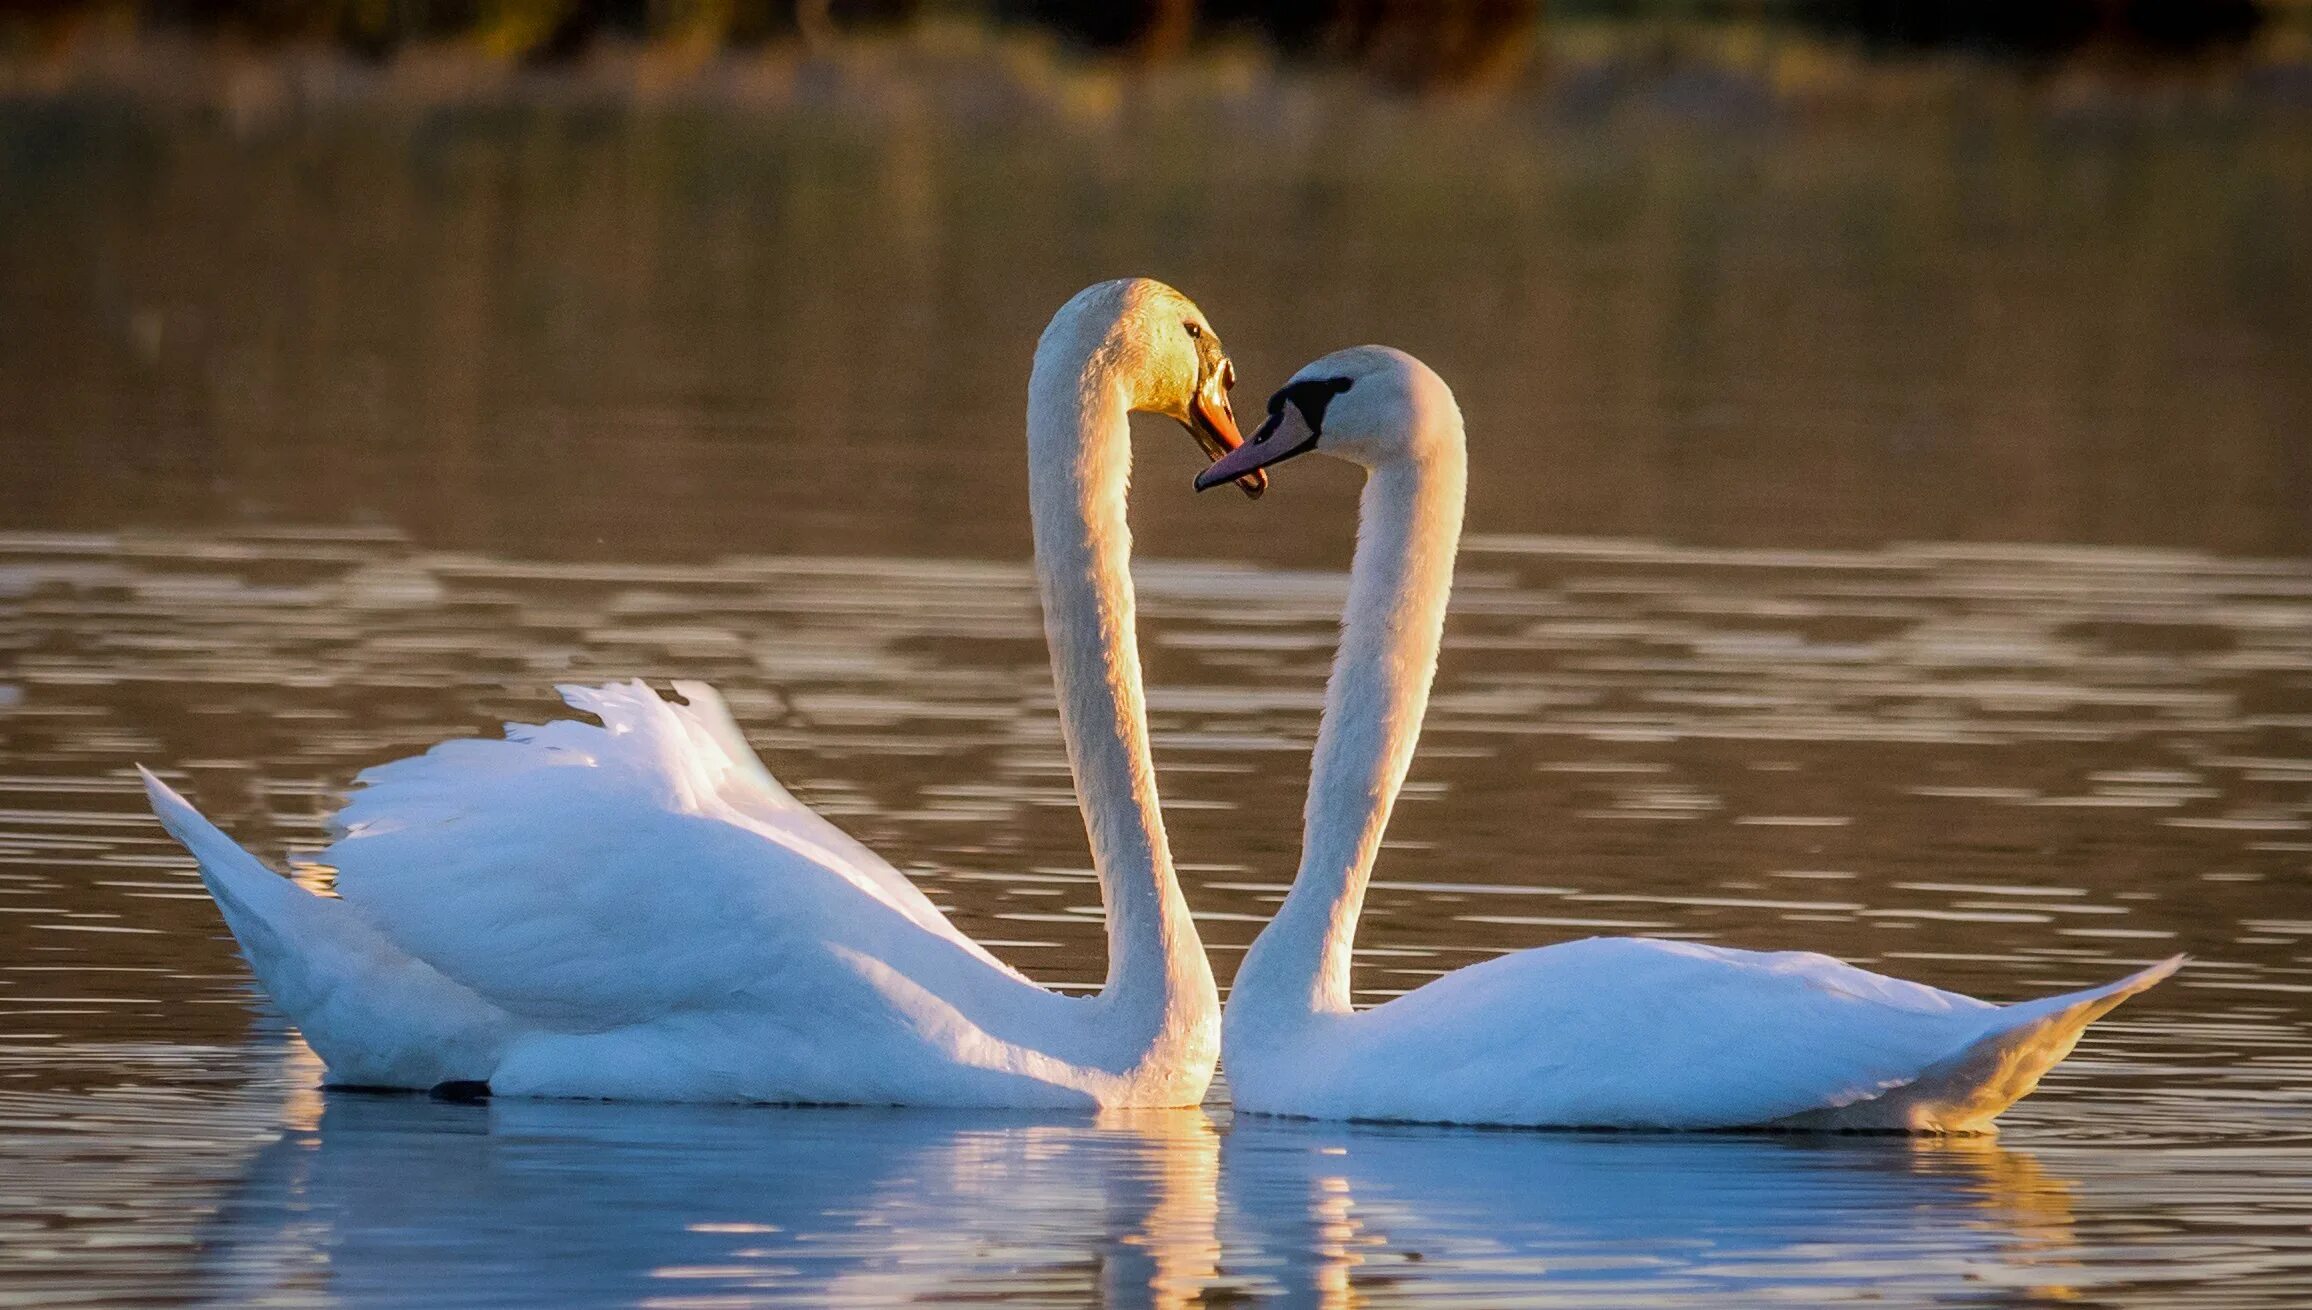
(1891,536)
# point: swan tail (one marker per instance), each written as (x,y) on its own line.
(375,1015)
(1963,1092)
(264,909)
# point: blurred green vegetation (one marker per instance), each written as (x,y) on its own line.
(1419,43)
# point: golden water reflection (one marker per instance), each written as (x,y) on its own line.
(407,1200)
(364,1199)
(1342,1215)
(414,1201)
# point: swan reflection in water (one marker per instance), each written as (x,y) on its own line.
(1330,1214)
(390,1200)
(393,1199)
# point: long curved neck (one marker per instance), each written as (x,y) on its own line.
(1409,528)
(1079,456)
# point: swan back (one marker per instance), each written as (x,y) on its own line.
(605,874)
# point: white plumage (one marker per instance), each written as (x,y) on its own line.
(637,909)
(1609,1032)
(1634,1033)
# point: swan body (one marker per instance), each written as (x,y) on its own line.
(1608,1032)
(1623,1032)
(636,909)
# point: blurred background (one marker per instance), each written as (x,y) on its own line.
(1414,41)
(1830,272)
(1890,535)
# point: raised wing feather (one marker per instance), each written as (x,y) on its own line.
(600,875)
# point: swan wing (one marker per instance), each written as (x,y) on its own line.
(593,875)
(1641,1033)
(755,792)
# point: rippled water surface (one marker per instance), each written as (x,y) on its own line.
(1741,652)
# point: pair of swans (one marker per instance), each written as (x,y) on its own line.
(638,910)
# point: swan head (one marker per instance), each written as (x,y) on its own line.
(1369,405)
(1170,359)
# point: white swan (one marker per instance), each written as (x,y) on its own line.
(1609,1032)
(638,910)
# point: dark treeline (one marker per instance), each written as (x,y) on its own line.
(1414,39)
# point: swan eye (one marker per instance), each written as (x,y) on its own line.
(1195,331)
